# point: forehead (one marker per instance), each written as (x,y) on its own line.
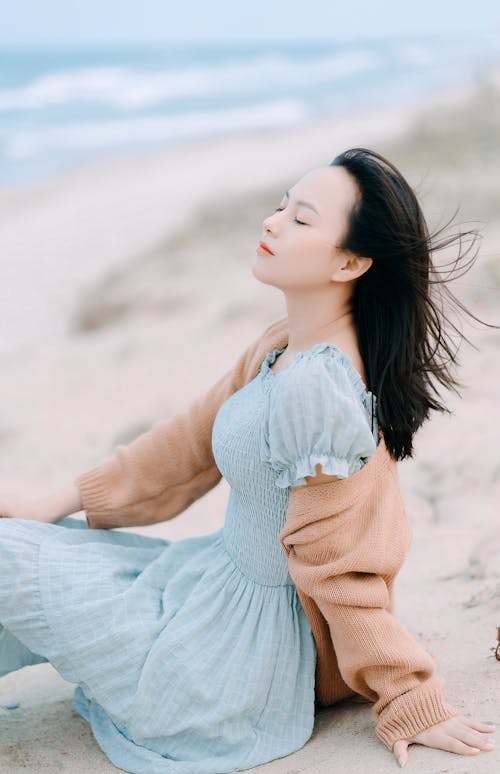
(330,189)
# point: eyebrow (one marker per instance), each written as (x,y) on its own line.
(304,204)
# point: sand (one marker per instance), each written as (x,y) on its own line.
(104,266)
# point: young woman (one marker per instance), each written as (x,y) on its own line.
(210,654)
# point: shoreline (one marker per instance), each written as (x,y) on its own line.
(342,105)
(455,92)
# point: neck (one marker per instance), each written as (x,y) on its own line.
(315,319)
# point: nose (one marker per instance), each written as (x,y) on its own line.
(269,224)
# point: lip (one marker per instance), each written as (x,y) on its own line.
(264,248)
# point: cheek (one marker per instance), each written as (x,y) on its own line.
(304,266)
(302,261)
(308,255)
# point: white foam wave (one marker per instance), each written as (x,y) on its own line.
(120,132)
(126,89)
(95,84)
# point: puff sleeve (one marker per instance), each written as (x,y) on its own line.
(318,411)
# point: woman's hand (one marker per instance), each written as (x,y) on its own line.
(457,734)
(20,508)
(49,509)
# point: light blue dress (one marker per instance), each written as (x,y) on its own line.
(194,656)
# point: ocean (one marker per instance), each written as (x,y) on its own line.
(59,108)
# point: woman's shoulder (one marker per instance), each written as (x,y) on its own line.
(323,368)
(318,411)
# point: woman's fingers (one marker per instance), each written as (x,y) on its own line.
(461,748)
(460,735)
(477,734)
(400,750)
(488,728)
(477,739)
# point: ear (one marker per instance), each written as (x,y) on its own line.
(351,267)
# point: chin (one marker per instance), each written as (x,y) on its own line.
(260,274)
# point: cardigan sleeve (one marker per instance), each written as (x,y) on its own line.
(348,570)
(171,465)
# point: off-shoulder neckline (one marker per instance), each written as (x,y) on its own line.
(269,375)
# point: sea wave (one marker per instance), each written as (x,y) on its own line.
(128,89)
(59,107)
(124,132)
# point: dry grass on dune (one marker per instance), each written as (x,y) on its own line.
(217,246)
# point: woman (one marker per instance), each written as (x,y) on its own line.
(210,654)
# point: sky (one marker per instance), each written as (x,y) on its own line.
(93,22)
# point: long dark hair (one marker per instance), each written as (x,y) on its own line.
(402,330)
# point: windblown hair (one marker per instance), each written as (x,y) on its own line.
(402,329)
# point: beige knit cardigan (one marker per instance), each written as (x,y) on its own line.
(345,541)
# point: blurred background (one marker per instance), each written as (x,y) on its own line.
(69,94)
(141,146)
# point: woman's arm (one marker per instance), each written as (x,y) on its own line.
(49,509)
(63,503)
(345,564)
(167,468)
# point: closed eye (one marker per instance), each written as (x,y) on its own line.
(300,222)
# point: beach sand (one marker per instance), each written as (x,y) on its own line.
(106,265)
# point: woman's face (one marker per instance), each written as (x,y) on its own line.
(305,230)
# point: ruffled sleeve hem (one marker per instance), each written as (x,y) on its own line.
(294,475)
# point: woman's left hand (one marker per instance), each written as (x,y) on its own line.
(457,734)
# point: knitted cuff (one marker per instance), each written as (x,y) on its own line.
(93,496)
(414,711)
